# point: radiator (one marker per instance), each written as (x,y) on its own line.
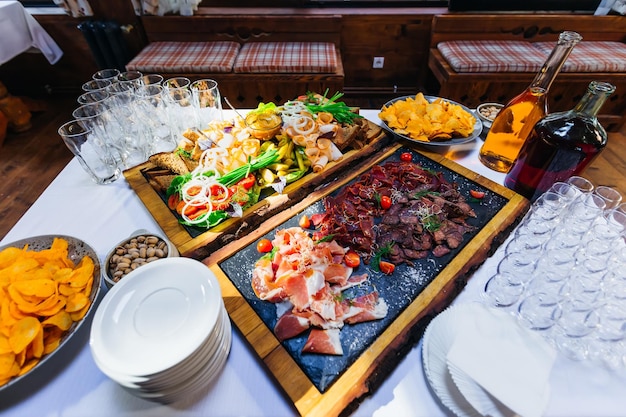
(107,43)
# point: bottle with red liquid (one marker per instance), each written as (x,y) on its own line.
(560,145)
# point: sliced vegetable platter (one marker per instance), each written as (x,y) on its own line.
(323,384)
(284,169)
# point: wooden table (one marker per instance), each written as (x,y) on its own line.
(72,384)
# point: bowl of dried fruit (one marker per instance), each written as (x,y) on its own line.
(487,112)
(140,248)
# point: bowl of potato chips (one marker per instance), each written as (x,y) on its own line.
(48,286)
(430,120)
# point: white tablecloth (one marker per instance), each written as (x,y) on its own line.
(19,32)
(72,385)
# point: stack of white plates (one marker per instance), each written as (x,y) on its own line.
(163,332)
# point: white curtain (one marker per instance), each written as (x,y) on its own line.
(75,8)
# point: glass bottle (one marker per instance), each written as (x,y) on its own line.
(560,145)
(514,122)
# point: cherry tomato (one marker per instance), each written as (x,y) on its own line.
(352,259)
(406,157)
(477,194)
(304,222)
(385,202)
(264,245)
(386,267)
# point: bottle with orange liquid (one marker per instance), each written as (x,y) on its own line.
(517,118)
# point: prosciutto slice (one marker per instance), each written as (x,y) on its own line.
(326,342)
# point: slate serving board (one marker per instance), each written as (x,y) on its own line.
(329,385)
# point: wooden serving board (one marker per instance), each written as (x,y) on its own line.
(198,243)
(322,385)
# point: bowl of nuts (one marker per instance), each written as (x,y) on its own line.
(141,248)
(487,112)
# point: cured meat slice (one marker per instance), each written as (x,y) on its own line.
(326,342)
(353,281)
(289,325)
(364,308)
(262,282)
(337,274)
(302,287)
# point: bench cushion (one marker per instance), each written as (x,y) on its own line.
(186,57)
(591,56)
(492,56)
(286,57)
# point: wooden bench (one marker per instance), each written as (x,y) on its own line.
(474,87)
(249,82)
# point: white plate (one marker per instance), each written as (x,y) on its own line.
(156,317)
(484,403)
(478,126)
(438,339)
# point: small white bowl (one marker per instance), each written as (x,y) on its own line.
(167,250)
(482,111)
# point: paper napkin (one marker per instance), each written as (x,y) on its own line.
(509,362)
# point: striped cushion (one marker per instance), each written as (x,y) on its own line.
(287,57)
(492,56)
(185,57)
(592,56)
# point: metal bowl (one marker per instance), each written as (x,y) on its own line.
(77,249)
(109,279)
(487,112)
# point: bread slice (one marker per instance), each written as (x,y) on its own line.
(161,182)
(172,161)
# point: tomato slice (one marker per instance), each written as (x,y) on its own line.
(198,213)
(386,268)
(477,194)
(172,201)
(264,245)
(247,182)
(194,190)
(385,202)
(352,259)
(217,192)
(406,157)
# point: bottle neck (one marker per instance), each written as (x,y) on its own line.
(546,75)
(594,98)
